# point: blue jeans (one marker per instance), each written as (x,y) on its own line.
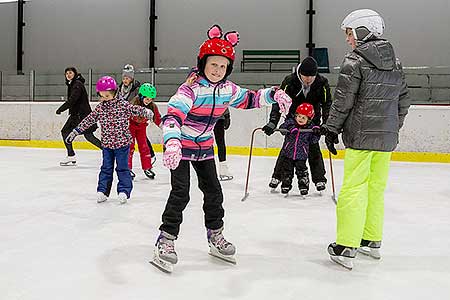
(105,178)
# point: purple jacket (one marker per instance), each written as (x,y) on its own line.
(296,143)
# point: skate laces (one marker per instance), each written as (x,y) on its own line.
(219,241)
(166,245)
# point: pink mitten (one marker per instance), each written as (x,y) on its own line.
(283,100)
(172,154)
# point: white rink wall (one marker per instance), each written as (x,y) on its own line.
(427,128)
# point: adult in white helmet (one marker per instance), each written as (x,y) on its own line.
(370,104)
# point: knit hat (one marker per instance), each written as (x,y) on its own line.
(308,67)
(128,71)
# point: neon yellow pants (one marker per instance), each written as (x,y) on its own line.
(360,207)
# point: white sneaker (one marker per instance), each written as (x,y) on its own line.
(101,197)
(69,161)
(123,199)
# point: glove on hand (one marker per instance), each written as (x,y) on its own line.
(172,154)
(269,128)
(283,100)
(72,136)
(331,138)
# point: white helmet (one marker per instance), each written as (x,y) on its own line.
(365,23)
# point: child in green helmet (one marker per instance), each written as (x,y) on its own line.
(138,129)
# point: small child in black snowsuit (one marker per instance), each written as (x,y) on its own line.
(296,148)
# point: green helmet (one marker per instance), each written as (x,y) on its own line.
(147,90)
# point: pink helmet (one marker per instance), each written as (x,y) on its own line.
(106,83)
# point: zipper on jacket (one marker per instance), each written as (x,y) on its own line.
(209,122)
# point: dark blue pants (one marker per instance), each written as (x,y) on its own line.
(105,178)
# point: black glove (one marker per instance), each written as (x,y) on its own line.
(331,138)
(269,128)
(226,123)
(317,130)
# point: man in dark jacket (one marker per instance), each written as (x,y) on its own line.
(370,104)
(78,105)
(304,86)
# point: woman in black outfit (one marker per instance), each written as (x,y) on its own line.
(78,105)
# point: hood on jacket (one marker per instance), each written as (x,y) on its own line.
(379,53)
(78,77)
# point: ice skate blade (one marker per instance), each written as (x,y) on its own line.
(273,191)
(228,259)
(164,266)
(68,164)
(101,200)
(371,252)
(346,262)
(225,178)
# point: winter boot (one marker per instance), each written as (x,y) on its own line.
(69,161)
(224,173)
(149,173)
(342,255)
(370,248)
(219,246)
(164,255)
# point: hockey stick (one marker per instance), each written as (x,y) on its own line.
(333,197)
(282,131)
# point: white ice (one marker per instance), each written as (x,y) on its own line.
(56,242)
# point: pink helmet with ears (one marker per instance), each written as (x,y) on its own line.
(106,83)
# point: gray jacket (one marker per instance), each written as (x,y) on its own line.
(371,98)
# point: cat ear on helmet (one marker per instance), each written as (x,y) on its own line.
(232,37)
(215,32)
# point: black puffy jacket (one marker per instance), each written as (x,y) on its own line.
(371,98)
(319,97)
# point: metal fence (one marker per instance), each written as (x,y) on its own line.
(426,85)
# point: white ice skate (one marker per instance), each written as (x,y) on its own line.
(101,197)
(69,161)
(224,173)
(123,199)
(370,248)
(341,255)
(164,255)
(219,247)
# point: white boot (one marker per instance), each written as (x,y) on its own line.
(224,173)
(69,161)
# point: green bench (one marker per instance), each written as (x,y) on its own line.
(291,57)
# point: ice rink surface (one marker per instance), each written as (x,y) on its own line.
(58,243)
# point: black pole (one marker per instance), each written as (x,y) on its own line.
(152,48)
(310,45)
(20,25)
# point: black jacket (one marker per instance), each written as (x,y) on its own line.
(319,97)
(77,98)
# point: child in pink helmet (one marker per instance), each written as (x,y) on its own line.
(187,132)
(113,115)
